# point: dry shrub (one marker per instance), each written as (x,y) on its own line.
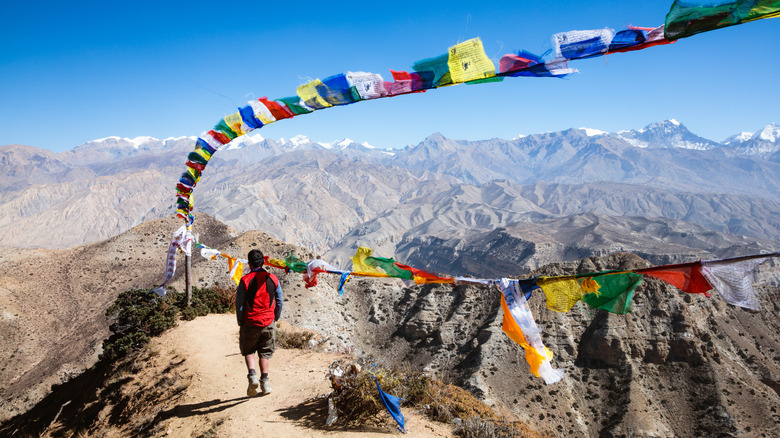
(226,297)
(355,393)
(289,336)
(449,402)
(357,400)
(480,428)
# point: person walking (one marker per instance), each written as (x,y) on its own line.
(258,307)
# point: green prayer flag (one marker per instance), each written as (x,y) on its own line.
(611,292)
(390,268)
(225,129)
(293,104)
(295,264)
(689,17)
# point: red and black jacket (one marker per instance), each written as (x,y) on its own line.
(256,299)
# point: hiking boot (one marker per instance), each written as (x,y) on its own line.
(254,383)
(265,386)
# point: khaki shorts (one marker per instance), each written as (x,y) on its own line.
(257,339)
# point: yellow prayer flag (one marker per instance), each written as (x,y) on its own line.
(562,292)
(468,62)
(236,268)
(308,93)
(234,121)
(277,263)
(359,263)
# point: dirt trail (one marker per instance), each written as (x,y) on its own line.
(216,398)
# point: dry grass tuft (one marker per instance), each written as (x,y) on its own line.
(289,336)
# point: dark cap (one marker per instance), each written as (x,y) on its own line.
(256,258)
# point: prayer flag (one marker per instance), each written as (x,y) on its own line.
(235,122)
(313,268)
(223,128)
(685,276)
(393,406)
(578,44)
(359,264)
(276,263)
(208,142)
(637,38)
(277,110)
(342,281)
(295,264)
(262,112)
(689,17)
(434,72)
(610,292)
(389,266)
(337,91)
(309,95)
(236,268)
(733,279)
(511,63)
(415,80)
(219,137)
(248,117)
(562,292)
(520,326)
(368,85)
(421,277)
(468,62)
(295,105)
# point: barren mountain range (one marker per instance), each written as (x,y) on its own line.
(332,197)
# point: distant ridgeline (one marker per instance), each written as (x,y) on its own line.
(467,63)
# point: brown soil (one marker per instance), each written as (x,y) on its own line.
(216,398)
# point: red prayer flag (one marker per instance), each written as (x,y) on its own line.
(422,274)
(196,166)
(512,63)
(686,276)
(279,112)
(416,79)
(220,137)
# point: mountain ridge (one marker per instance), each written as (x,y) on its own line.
(316,196)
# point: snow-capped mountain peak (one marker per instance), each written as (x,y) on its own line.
(344,143)
(590,132)
(244,141)
(738,138)
(666,134)
(296,141)
(134,142)
(771,133)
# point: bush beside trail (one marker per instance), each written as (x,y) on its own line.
(139,314)
(357,402)
(102,396)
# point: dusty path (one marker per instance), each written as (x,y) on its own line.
(217,400)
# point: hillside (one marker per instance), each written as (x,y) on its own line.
(679,364)
(191,381)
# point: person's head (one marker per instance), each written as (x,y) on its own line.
(256,259)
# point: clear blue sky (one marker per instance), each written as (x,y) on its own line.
(71,72)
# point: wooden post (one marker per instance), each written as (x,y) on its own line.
(187,279)
(188,272)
